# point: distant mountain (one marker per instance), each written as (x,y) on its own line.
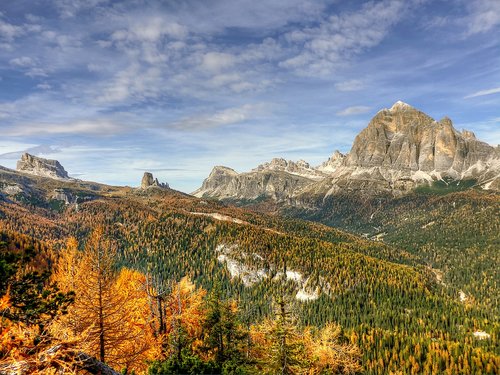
(401,149)
(41,167)
(149,181)
(275,180)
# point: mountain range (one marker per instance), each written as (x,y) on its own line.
(407,262)
(400,150)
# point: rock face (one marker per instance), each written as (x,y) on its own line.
(225,183)
(403,138)
(400,149)
(41,167)
(332,163)
(148,180)
(300,168)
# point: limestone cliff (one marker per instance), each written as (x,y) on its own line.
(225,183)
(400,149)
(41,167)
(149,181)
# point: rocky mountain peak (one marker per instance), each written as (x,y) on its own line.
(148,180)
(301,168)
(468,134)
(400,106)
(41,167)
(406,139)
(333,162)
(400,149)
(220,170)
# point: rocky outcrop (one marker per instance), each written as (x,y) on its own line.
(403,138)
(225,183)
(299,168)
(332,163)
(149,181)
(41,167)
(400,149)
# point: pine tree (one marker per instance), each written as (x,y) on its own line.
(223,334)
(286,346)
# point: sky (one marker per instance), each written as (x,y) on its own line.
(115,88)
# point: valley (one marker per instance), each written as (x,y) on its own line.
(396,295)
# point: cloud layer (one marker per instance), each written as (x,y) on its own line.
(181,85)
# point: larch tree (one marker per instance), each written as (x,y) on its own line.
(328,353)
(109,318)
(184,316)
(278,346)
(223,335)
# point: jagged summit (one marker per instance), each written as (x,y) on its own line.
(148,181)
(332,163)
(400,105)
(413,141)
(400,149)
(300,168)
(41,167)
(221,170)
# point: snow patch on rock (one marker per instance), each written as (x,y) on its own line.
(481,335)
(234,260)
(462,296)
(220,217)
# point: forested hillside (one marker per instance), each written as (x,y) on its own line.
(269,274)
(455,234)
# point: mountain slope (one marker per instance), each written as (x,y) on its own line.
(383,296)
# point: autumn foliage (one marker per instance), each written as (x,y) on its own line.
(138,323)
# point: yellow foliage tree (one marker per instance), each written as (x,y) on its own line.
(184,316)
(328,354)
(109,318)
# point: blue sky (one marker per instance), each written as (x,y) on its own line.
(114,88)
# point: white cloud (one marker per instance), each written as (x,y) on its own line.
(43,86)
(484,16)
(135,82)
(10,147)
(483,93)
(355,110)
(217,61)
(29,65)
(96,127)
(9,32)
(228,116)
(70,8)
(149,29)
(323,48)
(351,85)
(23,62)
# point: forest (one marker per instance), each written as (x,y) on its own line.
(145,282)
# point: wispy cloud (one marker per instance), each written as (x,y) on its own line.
(484,16)
(194,77)
(483,93)
(354,110)
(338,37)
(9,31)
(34,150)
(96,127)
(227,116)
(351,85)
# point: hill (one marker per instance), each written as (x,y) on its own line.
(388,300)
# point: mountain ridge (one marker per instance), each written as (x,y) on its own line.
(401,149)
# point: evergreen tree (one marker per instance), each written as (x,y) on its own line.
(287,348)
